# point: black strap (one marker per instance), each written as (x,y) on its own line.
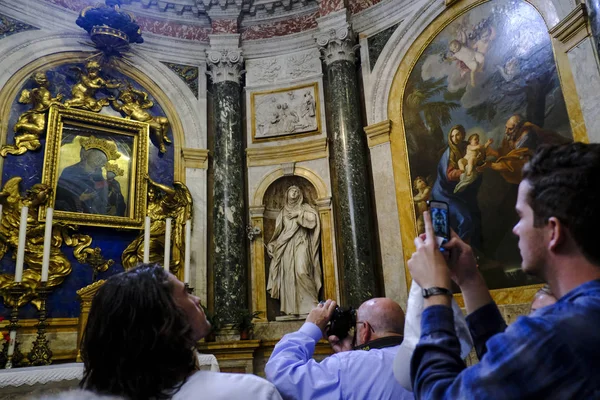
(381,343)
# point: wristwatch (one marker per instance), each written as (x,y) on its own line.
(434,291)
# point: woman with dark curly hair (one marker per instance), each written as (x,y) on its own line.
(139,343)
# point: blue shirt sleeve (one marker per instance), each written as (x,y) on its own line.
(296,374)
(484,323)
(528,360)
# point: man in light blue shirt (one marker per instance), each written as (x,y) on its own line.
(364,372)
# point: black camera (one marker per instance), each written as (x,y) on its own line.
(341,322)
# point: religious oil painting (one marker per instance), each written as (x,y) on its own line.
(483,94)
(285,112)
(98,168)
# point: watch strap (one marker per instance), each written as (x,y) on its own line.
(435,291)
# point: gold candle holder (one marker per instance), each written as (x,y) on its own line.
(40,353)
(13,354)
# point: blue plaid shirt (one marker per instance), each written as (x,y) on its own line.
(552,354)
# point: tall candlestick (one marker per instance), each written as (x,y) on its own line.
(11,343)
(21,246)
(147,240)
(188,253)
(47,244)
(167,244)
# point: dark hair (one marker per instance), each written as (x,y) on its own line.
(137,342)
(564,185)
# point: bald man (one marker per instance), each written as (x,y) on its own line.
(360,370)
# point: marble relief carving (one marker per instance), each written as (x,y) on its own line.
(283,68)
(285,112)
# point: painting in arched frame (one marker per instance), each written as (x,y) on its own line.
(487,80)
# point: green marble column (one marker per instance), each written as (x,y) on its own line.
(228,194)
(351,181)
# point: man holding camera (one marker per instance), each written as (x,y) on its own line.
(554,352)
(360,372)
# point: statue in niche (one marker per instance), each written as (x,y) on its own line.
(163,202)
(32,123)
(84,91)
(134,104)
(295,270)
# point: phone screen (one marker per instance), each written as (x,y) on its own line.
(439,219)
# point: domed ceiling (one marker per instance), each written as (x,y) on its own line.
(253,19)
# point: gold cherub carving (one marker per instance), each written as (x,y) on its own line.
(32,123)
(84,91)
(133,103)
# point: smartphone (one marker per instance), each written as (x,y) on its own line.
(440,219)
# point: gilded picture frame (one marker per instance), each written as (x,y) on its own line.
(406,193)
(97,167)
(285,113)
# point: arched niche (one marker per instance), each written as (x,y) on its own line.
(266,203)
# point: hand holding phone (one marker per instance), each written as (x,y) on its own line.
(440,219)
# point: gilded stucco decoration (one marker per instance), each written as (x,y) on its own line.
(60,267)
(163,202)
(134,104)
(187,73)
(10,26)
(32,123)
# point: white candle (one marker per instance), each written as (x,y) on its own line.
(21,246)
(167,244)
(0,212)
(47,244)
(147,240)
(188,253)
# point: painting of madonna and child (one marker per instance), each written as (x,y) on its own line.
(482,96)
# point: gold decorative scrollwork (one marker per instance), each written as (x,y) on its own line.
(163,202)
(133,103)
(60,267)
(32,123)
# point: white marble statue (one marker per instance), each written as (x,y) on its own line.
(295,271)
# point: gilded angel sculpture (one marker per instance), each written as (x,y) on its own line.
(163,202)
(32,123)
(133,103)
(84,91)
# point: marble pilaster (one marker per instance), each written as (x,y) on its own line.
(349,165)
(225,69)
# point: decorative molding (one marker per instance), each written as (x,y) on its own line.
(448,3)
(573,28)
(195,158)
(272,155)
(187,73)
(378,133)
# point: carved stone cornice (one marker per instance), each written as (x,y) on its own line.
(195,158)
(378,133)
(336,39)
(272,155)
(225,65)
(573,28)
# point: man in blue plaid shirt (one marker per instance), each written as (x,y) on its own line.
(555,352)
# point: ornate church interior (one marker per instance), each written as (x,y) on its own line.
(271,154)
